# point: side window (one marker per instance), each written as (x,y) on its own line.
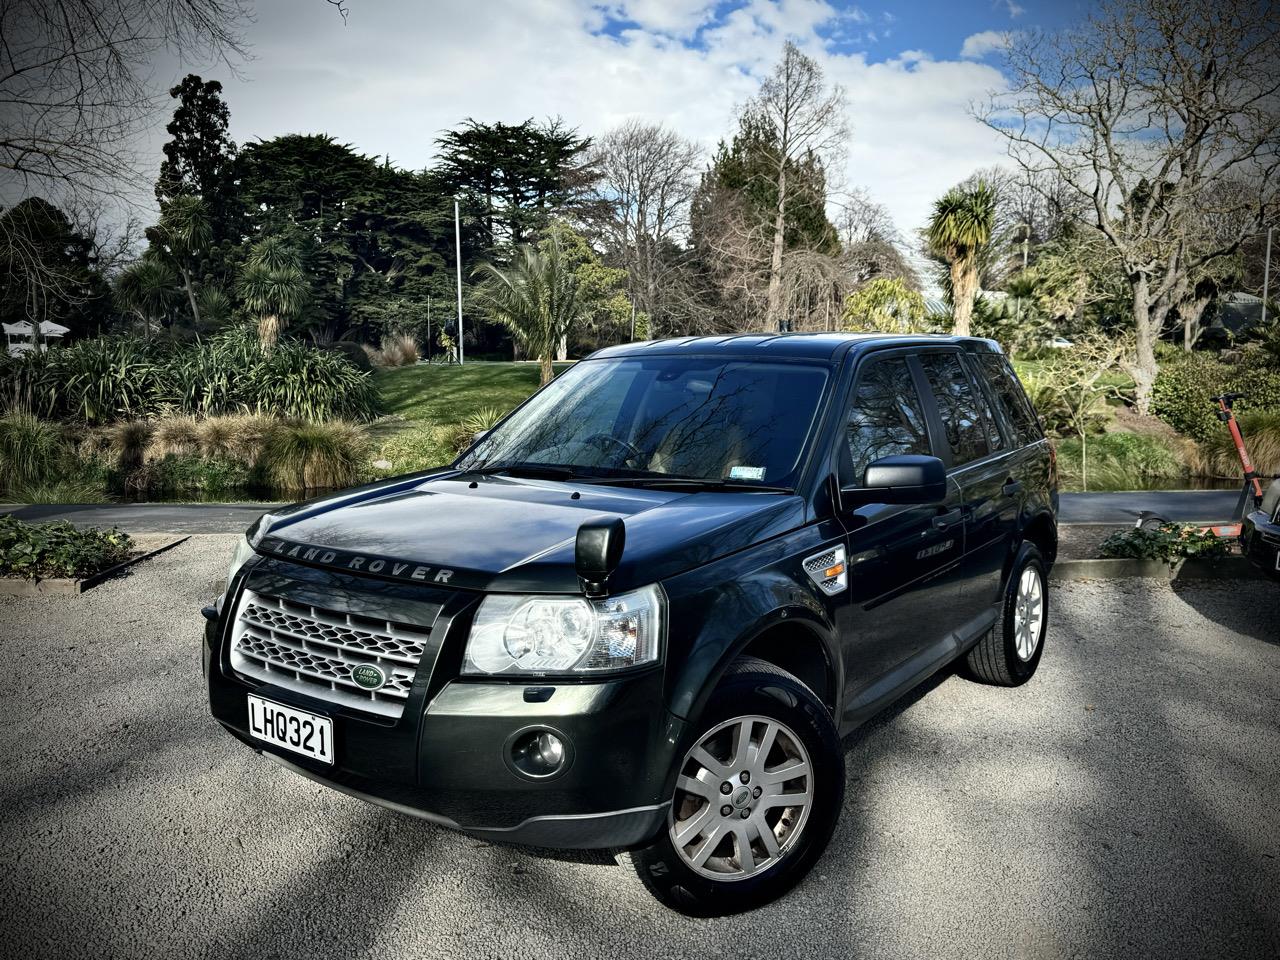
(886,418)
(1011,397)
(963,409)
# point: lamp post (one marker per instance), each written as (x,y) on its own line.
(1266,276)
(457,241)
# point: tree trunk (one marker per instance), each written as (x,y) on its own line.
(1145,369)
(547,371)
(191,298)
(1192,311)
(268,331)
(773,320)
(964,281)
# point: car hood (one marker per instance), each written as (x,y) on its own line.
(517,534)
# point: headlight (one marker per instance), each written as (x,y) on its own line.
(239,558)
(570,635)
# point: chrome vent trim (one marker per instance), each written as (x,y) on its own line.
(818,565)
(314,651)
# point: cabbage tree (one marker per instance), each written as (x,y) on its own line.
(959,229)
(273,287)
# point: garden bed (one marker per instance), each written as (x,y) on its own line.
(144,547)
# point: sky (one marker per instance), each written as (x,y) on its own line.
(397,73)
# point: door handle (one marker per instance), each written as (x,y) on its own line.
(1011,487)
(945,520)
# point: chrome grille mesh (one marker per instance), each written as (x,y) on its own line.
(314,651)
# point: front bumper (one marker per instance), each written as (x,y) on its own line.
(446,758)
(1260,542)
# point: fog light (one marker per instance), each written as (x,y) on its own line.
(538,753)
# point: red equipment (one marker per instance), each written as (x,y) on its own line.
(1252,489)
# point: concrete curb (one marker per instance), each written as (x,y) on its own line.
(63,587)
(1226,568)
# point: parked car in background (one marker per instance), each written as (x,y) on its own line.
(1260,533)
(1059,343)
(642,611)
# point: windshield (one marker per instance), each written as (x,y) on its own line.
(682,417)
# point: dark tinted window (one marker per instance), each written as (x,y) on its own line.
(1011,397)
(886,418)
(964,412)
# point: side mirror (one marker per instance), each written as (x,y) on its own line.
(910,478)
(597,552)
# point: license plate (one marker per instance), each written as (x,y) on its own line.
(295,730)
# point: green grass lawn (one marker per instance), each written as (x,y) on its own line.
(449,394)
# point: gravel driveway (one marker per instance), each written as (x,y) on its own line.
(1124,803)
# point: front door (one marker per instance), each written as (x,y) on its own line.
(902,559)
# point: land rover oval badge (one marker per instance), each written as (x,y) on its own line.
(369,676)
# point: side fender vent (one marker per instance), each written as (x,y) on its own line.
(829,570)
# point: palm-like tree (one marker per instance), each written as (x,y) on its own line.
(960,227)
(536,298)
(145,288)
(273,287)
(185,232)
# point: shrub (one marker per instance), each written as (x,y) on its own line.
(58,549)
(421,448)
(1182,391)
(107,379)
(1123,461)
(483,420)
(302,383)
(1168,542)
(1261,429)
(82,489)
(305,456)
(191,474)
(31,450)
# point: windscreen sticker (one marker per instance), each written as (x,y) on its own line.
(746,473)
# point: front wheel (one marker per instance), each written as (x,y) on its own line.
(1009,654)
(756,797)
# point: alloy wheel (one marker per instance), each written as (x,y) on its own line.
(742,798)
(1028,613)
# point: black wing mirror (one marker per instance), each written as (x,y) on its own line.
(910,478)
(597,552)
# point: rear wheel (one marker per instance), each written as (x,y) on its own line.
(1009,654)
(757,794)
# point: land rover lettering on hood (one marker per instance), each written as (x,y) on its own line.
(641,611)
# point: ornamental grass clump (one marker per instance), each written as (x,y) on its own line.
(31,450)
(299,456)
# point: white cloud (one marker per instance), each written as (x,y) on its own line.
(400,73)
(978,45)
(1014,9)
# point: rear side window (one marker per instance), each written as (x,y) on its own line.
(1011,398)
(965,415)
(886,418)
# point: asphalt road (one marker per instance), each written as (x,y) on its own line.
(1115,508)
(1121,804)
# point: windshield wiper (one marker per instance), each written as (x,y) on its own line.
(534,470)
(690,483)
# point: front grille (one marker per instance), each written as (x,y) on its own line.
(314,651)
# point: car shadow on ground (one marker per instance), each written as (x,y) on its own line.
(1249,607)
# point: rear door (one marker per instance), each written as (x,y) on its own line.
(902,559)
(984,464)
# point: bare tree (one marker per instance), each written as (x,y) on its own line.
(74,82)
(1141,112)
(807,119)
(648,175)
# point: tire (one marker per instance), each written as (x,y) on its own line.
(770,704)
(997,658)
